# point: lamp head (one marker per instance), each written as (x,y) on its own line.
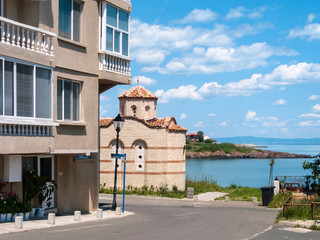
(118,123)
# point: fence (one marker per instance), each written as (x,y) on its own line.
(306,204)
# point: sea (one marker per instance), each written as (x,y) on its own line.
(250,172)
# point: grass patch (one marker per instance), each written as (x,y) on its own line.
(208,147)
(239,193)
(206,184)
(278,201)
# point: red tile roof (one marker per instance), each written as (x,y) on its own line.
(168,122)
(138,92)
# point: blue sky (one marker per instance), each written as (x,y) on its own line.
(228,68)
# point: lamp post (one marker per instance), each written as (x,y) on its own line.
(118,124)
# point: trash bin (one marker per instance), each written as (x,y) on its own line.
(267,195)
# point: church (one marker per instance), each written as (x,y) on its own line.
(154,147)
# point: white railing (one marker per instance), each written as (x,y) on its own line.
(25,130)
(27,37)
(114,63)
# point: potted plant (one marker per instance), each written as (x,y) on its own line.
(268,191)
(11,206)
(26,209)
(37,186)
(2,210)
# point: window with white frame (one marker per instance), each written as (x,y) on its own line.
(70,19)
(68,100)
(115,29)
(25,90)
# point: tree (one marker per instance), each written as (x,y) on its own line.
(200,136)
(314,178)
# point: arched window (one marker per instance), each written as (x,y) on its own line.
(134,110)
(140,149)
(148,113)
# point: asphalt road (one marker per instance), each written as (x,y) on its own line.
(167,219)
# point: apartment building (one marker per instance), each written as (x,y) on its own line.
(56,57)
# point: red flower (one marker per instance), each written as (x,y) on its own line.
(11,194)
(4,185)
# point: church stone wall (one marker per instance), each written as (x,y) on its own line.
(164,163)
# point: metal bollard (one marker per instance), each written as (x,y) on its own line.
(52,218)
(18,222)
(77,215)
(226,199)
(99,213)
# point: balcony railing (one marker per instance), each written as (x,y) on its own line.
(25,130)
(114,63)
(27,37)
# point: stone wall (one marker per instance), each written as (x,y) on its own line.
(164,156)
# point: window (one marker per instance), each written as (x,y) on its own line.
(68,100)
(115,30)
(70,19)
(25,90)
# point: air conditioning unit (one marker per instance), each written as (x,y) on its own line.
(12,168)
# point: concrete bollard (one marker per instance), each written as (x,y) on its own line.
(118,211)
(52,218)
(190,192)
(276,184)
(18,222)
(99,213)
(255,200)
(77,215)
(226,199)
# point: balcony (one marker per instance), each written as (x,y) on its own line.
(114,63)
(26,37)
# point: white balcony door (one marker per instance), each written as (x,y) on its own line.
(46,169)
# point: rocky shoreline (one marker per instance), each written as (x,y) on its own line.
(253,154)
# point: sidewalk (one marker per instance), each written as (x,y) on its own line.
(9,227)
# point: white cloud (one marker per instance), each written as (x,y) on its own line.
(273,122)
(155,44)
(145,81)
(316,108)
(310,115)
(309,32)
(309,124)
(224,59)
(103,111)
(199,124)
(104,98)
(314,97)
(240,12)
(212,114)
(149,56)
(199,16)
(283,75)
(251,115)
(279,102)
(311,17)
(223,124)
(283,88)
(183,92)
(235,13)
(183,116)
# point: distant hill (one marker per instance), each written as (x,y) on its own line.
(270,141)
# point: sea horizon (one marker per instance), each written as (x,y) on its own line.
(250,172)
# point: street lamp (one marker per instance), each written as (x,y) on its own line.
(118,124)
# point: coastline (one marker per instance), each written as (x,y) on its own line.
(234,155)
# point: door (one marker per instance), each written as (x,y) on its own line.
(43,166)
(46,169)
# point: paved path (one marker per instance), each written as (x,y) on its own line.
(172,219)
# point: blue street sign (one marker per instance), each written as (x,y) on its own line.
(121,156)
